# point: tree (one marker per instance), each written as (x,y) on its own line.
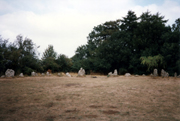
(64,63)
(49,59)
(152,61)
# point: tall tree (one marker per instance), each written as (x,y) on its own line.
(49,59)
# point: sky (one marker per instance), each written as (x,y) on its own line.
(65,24)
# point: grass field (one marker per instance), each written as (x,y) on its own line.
(90,99)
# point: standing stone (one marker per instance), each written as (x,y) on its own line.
(115,72)
(175,74)
(33,73)
(21,75)
(9,73)
(67,74)
(162,73)
(47,73)
(155,72)
(59,74)
(166,74)
(81,72)
(42,74)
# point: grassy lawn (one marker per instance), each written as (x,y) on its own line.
(90,99)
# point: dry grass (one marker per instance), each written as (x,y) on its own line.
(90,99)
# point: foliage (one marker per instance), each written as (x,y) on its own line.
(152,61)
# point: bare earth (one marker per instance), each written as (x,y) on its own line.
(90,99)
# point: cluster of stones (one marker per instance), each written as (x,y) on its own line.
(113,74)
(81,72)
(164,73)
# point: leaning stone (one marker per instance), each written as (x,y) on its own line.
(9,73)
(21,75)
(67,74)
(127,74)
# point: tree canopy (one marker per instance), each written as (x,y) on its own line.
(134,44)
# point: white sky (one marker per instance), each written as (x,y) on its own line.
(65,24)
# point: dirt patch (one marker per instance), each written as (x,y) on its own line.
(49,104)
(72,84)
(111,112)
(91,116)
(95,106)
(71,111)
(104,99)
(112,107)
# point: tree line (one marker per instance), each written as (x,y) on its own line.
(131,44)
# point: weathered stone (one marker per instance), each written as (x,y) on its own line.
(59,74)
(136,75)
(42,74)
(2,76)
(175,74)
(21,75)
(115,72)
(162,73)
(127,74)
(67,74)
(81,72)
(155,72)
(166,74)
(47,73)
(33,73)
(9,73)
(143,75)
(110,74)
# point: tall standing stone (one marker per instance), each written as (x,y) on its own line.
(9,73)
(162,73)
(81,72)
(155,72)
(115,72)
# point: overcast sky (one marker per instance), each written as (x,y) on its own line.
(65,24)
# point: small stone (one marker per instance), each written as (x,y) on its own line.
(127,74)
(47,73)
(2,76)
(67,74)
(21,75)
